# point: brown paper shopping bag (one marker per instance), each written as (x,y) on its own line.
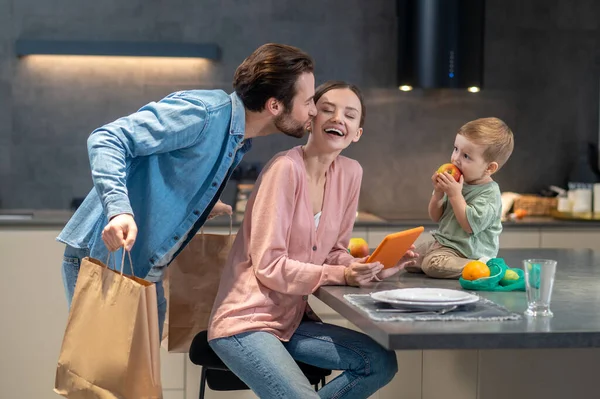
(111,346)
(193,282)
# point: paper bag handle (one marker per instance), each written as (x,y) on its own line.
(230,233)
(230,226)
(122,261)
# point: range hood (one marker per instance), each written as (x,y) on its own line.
(440,44)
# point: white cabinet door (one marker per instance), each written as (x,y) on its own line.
(177,394)
(449,374)
(538,373)
(172,369)
(576,239)
(521,238)
(407,383)
(34,312)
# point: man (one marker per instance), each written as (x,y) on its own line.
(159,172)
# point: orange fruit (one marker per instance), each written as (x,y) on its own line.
(358,247)
(474,270)
(520,213)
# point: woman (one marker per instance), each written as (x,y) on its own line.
(297,225)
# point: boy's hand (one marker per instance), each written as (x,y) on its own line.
(451,187)
(409,259)
(437,188)
(360,273)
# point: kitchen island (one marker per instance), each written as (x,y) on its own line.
(530,358)
(33,305)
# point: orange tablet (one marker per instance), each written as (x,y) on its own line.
(394,246)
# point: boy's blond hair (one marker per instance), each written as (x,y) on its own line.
(493,133)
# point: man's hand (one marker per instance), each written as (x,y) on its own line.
(360,273)
(219,209)
(409,259)
(121,231)
(451,187)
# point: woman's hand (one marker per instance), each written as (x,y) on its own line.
(409,259)
(359,273)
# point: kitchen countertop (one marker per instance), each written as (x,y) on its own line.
(58,218)
(575,303)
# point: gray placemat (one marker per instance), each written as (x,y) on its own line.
(482,310)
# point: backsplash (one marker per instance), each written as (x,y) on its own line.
(541,77)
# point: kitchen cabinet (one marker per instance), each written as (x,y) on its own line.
(179,394)
(513,373)
(520,238)
(172,368)
(32,300)
(34,312)
(576,239)
(448,374)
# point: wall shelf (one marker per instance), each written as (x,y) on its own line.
(24,47)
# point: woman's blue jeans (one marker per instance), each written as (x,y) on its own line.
(267,364)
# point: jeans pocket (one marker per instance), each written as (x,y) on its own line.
(70,269)
(71,261)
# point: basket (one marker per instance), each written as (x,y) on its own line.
(536,205)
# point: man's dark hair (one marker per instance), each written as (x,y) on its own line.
(271,71)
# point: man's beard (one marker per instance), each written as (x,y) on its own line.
(289,126)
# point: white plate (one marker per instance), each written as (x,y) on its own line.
(427,305)
(423,305)
(424,295)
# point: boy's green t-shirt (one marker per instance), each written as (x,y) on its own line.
(484,210)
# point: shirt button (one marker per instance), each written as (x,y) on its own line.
(230,154)
(214,184)
(314,248)
(176,238)
(196,213)
(152,260)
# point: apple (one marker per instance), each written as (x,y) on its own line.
(358,248)
(451,169)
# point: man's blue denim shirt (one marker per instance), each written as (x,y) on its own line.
(167,165)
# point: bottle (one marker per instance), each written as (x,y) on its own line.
(595,166)
(596,199)
(581,181)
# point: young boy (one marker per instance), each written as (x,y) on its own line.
(468,211)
